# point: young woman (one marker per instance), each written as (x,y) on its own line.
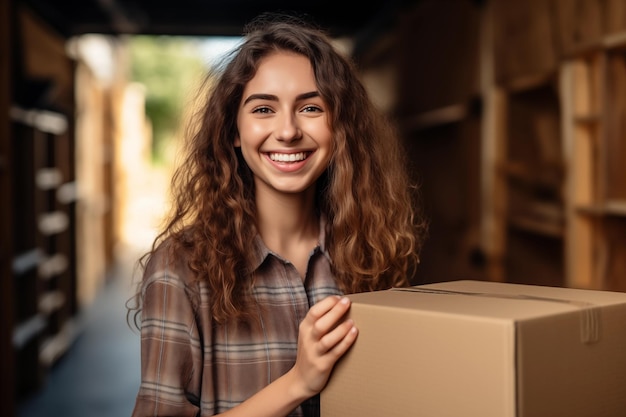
(293,192)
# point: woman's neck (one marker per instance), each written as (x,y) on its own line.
(287,217)
(289,225)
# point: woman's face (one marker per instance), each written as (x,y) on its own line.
(284,127)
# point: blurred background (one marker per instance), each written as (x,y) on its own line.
(513,114)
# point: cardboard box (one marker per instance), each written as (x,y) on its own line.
(483,349)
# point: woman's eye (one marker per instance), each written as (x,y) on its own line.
(263,110)
(309,109)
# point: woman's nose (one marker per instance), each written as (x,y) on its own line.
(287,128)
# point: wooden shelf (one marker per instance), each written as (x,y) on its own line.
(438,117)
(43,120)
(48,178)
(54,347)
(43,267)
(525,174)
(52,266)
(26,261)
(615,207)
(610,208)
(53,222)
(588,119)
(608,42)
(529,82)
(28,329)
(615,41)
(51,301)
(67,193)
(531,225)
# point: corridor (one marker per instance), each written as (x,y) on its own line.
(99,375)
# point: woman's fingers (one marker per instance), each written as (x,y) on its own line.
(330,331)
(322,307)
(325,335)
(325,315)
(337,341)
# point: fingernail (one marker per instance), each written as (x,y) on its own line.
(345,300)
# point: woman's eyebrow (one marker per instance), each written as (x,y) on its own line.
(271,97)
(310,94)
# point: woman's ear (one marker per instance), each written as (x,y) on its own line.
(237,142)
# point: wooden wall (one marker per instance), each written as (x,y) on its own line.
(440,114)
(43,218)
(513,113)
(48,208)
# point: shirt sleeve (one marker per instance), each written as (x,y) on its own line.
(170,350)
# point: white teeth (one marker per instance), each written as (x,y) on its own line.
(288,157)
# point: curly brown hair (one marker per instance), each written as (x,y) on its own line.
(373,231)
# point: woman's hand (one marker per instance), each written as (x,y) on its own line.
(324,336)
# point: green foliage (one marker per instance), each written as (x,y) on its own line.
(168,67)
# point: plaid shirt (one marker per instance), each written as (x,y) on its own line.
(192,366)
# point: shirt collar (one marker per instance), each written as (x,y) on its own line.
(261,251)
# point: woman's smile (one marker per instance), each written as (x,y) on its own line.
(288,162)
(283,124)
(288,157)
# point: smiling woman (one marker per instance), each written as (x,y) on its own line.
(293,192)
(284,133)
